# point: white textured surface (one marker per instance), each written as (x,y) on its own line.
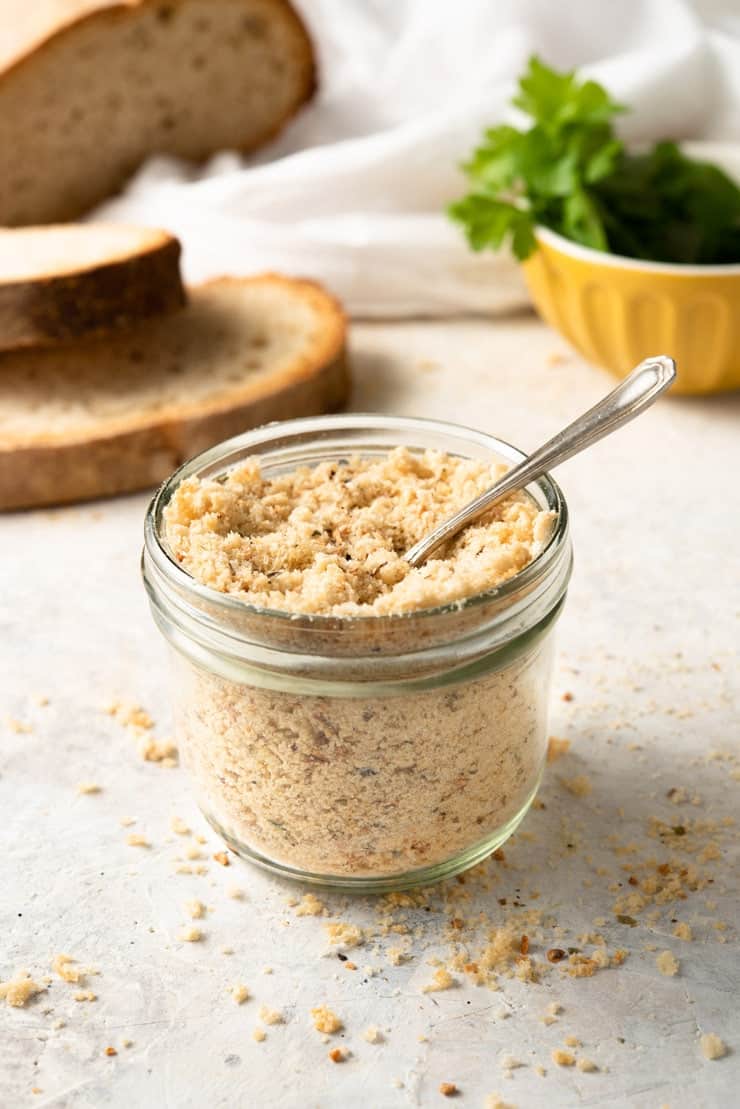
(648,647)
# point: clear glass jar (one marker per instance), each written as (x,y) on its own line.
(371,753)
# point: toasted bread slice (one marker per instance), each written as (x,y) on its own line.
(60,283)
(84,102)
(113,415)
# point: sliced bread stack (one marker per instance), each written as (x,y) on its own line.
(107,384)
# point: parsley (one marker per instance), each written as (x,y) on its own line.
(569,171)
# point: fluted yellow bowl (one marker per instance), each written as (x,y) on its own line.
(617,311)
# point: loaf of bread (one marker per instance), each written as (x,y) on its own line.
(112,415)
(64,282)
(89,89)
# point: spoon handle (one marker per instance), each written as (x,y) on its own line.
(636,393)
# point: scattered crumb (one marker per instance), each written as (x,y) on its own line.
(562,1058)
(179,827)
(448,1089)
(556,748)
(712,1047)
(88,787)
(85,995)
(18,726)
(442,980)
(126,1042)
(195,909)
(324,1020)
(270,1016)
(135,839)
(396,956)
(111,1051)
(572,1041)
(191,934)
(508,1062)
(683,931)
(222,858)
(153,750)
(554,1009)
(227,950)
(240,994)
(348,935)
(59,1024)
(267,970)
(128,714)
(580,786)
(127,821)
(62,965)
(586,1065)
(19,990)
(310,905)
(667,963)
(259,1035)
(493,1101)
(42,700)
(236,893)
(338,1054)
(373,1035)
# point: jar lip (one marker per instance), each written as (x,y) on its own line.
(219,459)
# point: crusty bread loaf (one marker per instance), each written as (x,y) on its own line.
(83,107)
(61,283)
(111,415)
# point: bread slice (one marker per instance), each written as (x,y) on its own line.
(83,107)
(112,415)
(65,282)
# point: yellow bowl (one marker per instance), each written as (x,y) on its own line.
(617,311)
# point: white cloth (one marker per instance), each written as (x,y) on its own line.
(353,192)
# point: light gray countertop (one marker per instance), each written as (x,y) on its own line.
(648,650)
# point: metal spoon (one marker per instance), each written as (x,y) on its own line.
(632,396)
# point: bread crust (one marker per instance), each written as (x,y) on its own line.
(121,12)
(95,300)
(138,453)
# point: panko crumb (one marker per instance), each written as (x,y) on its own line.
(259,1035)
(683,931)
(572,1041)
(195,909)
(191,934)
(448,1089)
(339,1054)
(85,995)
(667,963)
(579,786)
(179,827)
(236,893)
(129,714)
(155,750)
(67,969)
(19,990)
(587,1066)
(346,935)
(88,787)
(271,541)
(135,839)
(270,1016)
(373,1035)
(18,726)
(494,1101)
(240,994)
(712,1047)
(556,748)
(310,905)
(441,980)
(222,858)
(562,1058)
(324,1020)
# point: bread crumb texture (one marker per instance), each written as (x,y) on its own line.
(88,787)
(270,1016)
(667,963)
(330,539)
(240,994)
(19,990)
(324,1020)
(712,1047)
(563,1058)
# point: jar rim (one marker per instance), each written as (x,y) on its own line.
(221,457)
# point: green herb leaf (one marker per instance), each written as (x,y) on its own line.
(569,171)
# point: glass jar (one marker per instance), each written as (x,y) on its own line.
(365,752)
